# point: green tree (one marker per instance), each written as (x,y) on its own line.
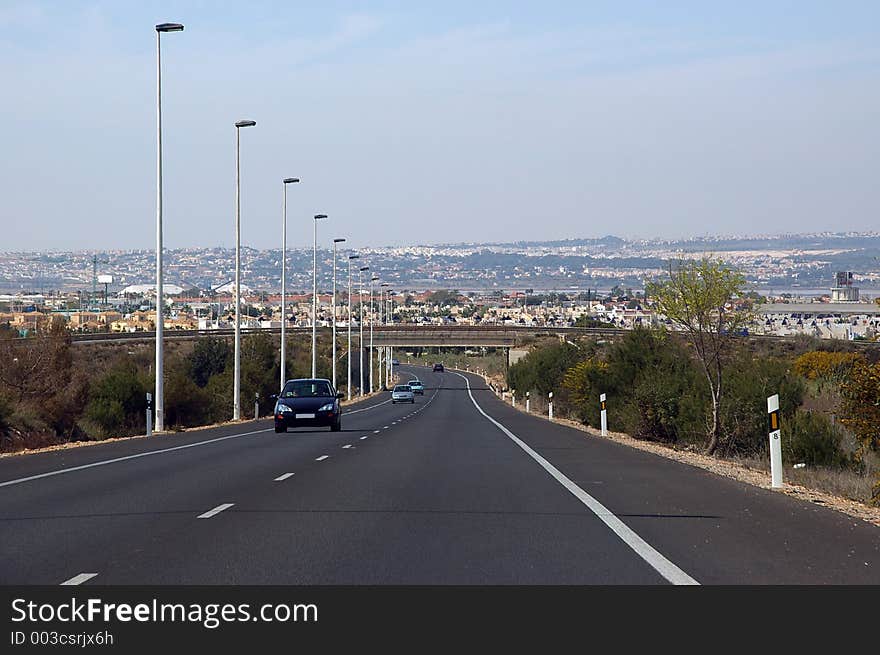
(209,357)
(117,403)
(444,297)
(860,411)
(542,369)
(697,298)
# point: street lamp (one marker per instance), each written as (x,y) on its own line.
(350,257)
(335,241)
(373,278)
(389,356)
(236,388)
(160,322)
(318,217)
(383,356)
(361,326)
(284,183)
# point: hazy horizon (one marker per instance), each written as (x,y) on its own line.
(456,123)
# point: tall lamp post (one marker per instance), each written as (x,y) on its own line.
(160,297)
(361,326)
(384,349)
(350,257)
(335,241)
(236,388)
(390,361)
(373,278)
(284,183)
(318,217)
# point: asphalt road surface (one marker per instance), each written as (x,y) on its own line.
(456,489)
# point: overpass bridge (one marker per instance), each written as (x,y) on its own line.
(398,336)
(407,335)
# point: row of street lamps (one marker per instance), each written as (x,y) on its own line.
(236,412)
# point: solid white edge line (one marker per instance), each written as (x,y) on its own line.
(127,457)
(282,478)
(215,511)
(641,547)
(78,579)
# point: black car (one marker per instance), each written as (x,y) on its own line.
(438,367)
(307,403)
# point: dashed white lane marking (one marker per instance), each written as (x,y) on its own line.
(364,409)
(385,427)
(282,478)
(364,437)
(127,457)
(348,445)
(322,458)
(641,547)
(376,431)
(79,579)
(215,511)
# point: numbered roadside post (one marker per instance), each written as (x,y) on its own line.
(604,414)
(256,405)
(775,443)
(550,406)
(149,414)
(527,402)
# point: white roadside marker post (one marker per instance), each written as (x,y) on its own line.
(256,405)
(149,414)
(513,397)
(527,402)
(775,442)
(550,406)
(604,415)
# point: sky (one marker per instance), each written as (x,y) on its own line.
(437,122)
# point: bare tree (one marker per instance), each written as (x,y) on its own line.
(699,299)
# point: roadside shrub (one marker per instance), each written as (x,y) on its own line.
(811,438)
(823,365)
(186,403)
(750,381)
(543,368)
(208,357)
(860,408)
(117,405)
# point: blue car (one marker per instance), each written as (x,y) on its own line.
(307,403)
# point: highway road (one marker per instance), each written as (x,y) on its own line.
(456,489)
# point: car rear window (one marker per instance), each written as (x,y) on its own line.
(306,389)
(402,387)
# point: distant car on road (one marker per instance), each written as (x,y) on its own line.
(402,393)
(395,362)
(307,402)
(417,387)
(438,367)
